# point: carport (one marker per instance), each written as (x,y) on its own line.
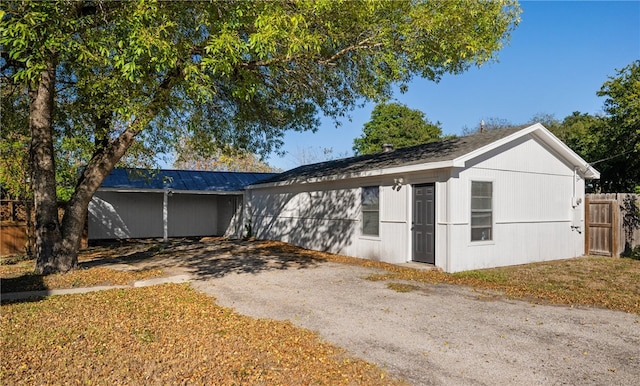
(142,203)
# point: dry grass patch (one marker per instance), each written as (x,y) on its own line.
(595,281)
(598,281)
(607,282)
(167,334)
(402,287)
(20,277)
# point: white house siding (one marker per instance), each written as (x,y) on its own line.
(322,218)
(120,215)
(538,206)
(533,215)
(193,215)
(326,216)
(229,215)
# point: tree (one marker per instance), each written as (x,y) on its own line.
(310,155)
(396,124)
(610,143)
(490,123)
(189,157)
(619,164)
(123,80)
(547,120)
(580,131)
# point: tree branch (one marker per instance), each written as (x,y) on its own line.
(362,45)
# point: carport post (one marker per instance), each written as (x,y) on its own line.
(165,215)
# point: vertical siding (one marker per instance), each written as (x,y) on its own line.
(125,215)
(192,215)
(121,215)
(535,218)
(229,215)
(323,218)
(393,204)
(326,216)
(534,215)
(393,223)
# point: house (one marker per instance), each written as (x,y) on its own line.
(502,197)
(141,203)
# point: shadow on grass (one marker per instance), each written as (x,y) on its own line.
(23,283)
(205,258)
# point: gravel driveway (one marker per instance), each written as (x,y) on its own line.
(441,334)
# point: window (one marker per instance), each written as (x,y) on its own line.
(481,211)
(370,210)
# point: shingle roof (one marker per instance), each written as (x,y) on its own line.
(185,180)
(431,152)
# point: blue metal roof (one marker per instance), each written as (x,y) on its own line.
(182,180)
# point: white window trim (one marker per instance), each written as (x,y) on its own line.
(362,211)
(493,219)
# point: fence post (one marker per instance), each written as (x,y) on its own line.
(615,228)
(587,225)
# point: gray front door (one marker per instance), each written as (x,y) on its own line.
(423,227)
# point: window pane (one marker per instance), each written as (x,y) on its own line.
(480,219)
(370,223)
(482,189)
(370,197)
(479,234)
(481,210)
(370,210)
(480,203)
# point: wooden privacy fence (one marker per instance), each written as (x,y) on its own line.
(605,234)
(13,227)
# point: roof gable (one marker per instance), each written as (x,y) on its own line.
(448,153)
(180,180)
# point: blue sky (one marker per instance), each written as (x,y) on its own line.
(558,58)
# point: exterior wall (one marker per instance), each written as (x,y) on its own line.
(125,215)
(538,211)
(120,215)
(229,215)
(193,215)
(327,216)
(322,217)
(536,215)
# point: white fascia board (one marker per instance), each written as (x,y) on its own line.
(204,192)
(461,161)
(541,132)
(363,174)
(565,151)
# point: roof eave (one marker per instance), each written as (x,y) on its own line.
(582,166)
(542,133)
(379,172)
(141,190)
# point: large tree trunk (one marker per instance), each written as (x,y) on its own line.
(57,245)
(101,164)
(43,172)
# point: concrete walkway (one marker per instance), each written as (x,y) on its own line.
(67,291)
